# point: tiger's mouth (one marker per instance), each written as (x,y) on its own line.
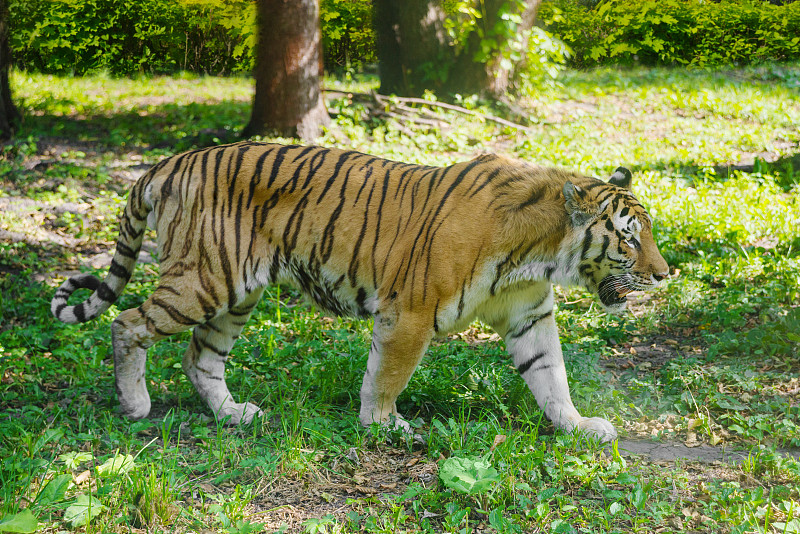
(612,292)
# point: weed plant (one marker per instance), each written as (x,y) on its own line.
(709,360)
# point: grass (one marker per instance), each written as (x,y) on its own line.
(710,359)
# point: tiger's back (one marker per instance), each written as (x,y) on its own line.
(349,229)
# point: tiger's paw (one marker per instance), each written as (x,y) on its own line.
(135,407)
(596,428)
(396,425)
(234,413)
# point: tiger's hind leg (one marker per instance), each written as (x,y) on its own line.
(132,333)
(204,361)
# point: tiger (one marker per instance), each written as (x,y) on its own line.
(423,250)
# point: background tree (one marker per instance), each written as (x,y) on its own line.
(477,51)
(288,98)
(9,116)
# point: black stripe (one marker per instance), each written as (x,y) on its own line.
(126,251)
(255,179)
(364,180)
(204,177)
(225,262)
(587,241)
(292,229)
(353,268)
(536,196)
(606,242)
(461,300)
(525,328)
(275,265)
(173,312)
(277,163)
(378,226)
(492,176)
(209,309)
(499,273)
(326,246)
(119,271)
(237,223)
(336,170)
(212,348)
(533,359)
(314,164)
(105,293)
(80,312)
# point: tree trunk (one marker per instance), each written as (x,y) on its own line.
(490,78)
(288,99)
(9,116)
(411,45)
(414,54)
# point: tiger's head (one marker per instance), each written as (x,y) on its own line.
(616,247)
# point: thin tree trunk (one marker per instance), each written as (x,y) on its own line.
(9,116)
(288,99)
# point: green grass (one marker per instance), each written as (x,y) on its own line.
(710,358)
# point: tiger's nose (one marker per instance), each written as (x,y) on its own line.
(660,276)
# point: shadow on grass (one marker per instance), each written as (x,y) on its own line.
(173,127)
(785,169)
(767,77)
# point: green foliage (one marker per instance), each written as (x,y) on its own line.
(22,522)
(348,37)
(680,32)
(530,55)
(468,475)
(132,36)
(84,509)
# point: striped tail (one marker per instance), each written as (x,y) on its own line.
(106,292)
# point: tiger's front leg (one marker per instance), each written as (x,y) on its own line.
(397,348)
(532,340)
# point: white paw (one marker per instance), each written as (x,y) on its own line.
(238,413)
(135,407)
(596,428)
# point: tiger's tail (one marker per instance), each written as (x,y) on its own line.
(132,225)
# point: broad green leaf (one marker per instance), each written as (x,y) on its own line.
(119,464)
(54,490)
(84,510)
(24,521)
(468,475)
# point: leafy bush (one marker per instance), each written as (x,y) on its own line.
(347,34)
(682,32)
(129,36)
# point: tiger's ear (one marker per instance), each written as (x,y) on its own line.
(621,178)
(579,209)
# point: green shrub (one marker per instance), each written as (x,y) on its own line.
(348,37)
(129,36)
(679,32)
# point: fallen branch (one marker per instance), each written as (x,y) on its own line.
(413,100)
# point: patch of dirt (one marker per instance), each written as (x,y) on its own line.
(292,499)
(670,451)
